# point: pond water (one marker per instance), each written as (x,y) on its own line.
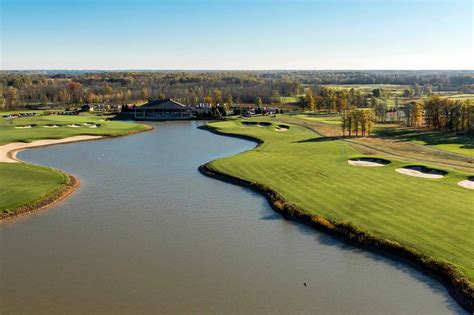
(146,233)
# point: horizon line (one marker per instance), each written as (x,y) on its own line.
(223,69)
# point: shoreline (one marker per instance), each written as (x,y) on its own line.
(9,151)
(8,154)
(60,194)
(461,289)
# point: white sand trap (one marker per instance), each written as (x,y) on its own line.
(87,124)
(74,126)
(281,129)
(23,127)
(416,173)
(50,126)
(93,126)
(364,163)
(8,151)
(468,183)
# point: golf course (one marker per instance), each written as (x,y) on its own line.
(432,219)
(25,187)
(396,204)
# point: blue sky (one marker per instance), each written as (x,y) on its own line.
(237,34)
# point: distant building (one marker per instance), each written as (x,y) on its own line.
(85,108)
(167,109)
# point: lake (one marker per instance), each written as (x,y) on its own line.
(146,233)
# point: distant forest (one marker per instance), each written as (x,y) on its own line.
(18,89)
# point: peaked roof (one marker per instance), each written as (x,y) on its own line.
(163,104)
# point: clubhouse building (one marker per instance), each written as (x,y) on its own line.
(167,109)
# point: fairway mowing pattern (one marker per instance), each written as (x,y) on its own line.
(434,218)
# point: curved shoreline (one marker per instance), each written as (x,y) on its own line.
(60,194)
(8,155)
(461,289)
(9,151)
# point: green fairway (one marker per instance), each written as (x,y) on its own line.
(322,118)
(22,184)
(289,99)
(11,133)
(367,88)
(433,217)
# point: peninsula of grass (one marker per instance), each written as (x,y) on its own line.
(25,187)
(426,221)
(63,130)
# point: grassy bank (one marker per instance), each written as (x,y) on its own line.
(24,187)
(21,184)
(432,218)
(27,129)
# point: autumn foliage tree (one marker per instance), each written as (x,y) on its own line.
(449,115)
(357,121)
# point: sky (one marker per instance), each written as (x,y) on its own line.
(236,34)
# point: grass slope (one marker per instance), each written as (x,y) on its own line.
(433,217)
(461,144)
(23,184)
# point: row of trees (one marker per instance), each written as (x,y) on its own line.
(357,121)
(435,113)
(449,115)
(320,98)
(358,112)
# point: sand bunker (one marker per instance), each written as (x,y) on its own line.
(8,151)
(468,183)
(282,128)
(23,127)
(264,124)
(50,126)
(94,126)
(368,162)
(421,171)
(249,123)
(74,126)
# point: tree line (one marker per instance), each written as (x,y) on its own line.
(358,111)
(19,89)
(441,114)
